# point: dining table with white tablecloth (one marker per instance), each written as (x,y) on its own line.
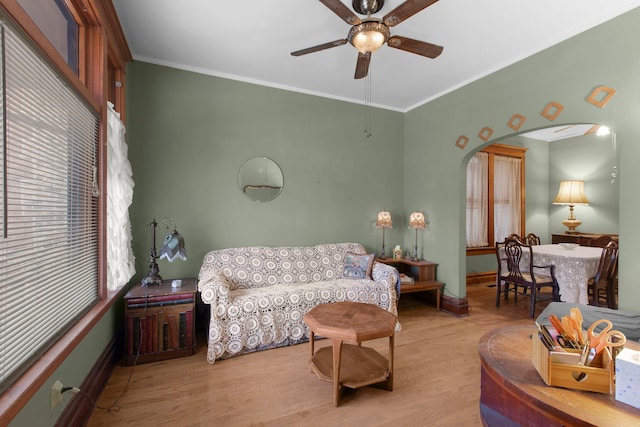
(574,266)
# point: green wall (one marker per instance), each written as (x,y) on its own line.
(71,373)
(189,134)
(537,184)
(565,73)
(586,158)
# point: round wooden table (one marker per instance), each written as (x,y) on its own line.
(354,365)
(512,392)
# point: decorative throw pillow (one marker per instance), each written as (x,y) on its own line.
(358,266)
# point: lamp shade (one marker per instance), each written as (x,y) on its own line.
(416,220)
(173,247)
(571,193)
(384,220)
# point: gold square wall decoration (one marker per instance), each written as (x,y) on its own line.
(462,142)
(593,129)
(601,96)
(485,133)
(552,110)
(516,121)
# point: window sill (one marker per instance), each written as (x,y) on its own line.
(20,392)
(481,251)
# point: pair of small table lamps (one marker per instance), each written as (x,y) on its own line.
(416,221)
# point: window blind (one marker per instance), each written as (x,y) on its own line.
(49,246)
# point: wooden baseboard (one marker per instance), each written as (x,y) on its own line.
(80,407)
(482,277)
(459,307)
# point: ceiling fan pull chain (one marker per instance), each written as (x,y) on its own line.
(367,104)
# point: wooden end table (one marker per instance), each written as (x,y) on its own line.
(351,365)
(160,322)
(423,273)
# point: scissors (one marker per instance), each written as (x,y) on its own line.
(609,337)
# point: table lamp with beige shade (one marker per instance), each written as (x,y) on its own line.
(571,193)
(416,221)
(384,221)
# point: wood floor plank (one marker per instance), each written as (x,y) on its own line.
(436,379)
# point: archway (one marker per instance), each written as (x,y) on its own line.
(577,151)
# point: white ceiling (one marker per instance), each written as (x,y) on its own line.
(251,41)
(557,133)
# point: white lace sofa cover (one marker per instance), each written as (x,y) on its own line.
(258,295)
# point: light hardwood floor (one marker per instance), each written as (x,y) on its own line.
(436,379)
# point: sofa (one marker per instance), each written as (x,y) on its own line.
(258,295)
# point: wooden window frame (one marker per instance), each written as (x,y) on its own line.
(103,54)
(508,151)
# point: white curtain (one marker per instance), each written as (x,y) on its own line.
(477,200)
(507,197)
(120,258)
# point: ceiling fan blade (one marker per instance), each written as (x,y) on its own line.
(319,47)
(415,46)
(405,11)
(342,11)
(362,66)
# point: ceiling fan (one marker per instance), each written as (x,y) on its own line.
(368,34)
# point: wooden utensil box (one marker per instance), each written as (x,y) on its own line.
(599,377)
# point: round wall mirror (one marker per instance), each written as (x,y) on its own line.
(260,179)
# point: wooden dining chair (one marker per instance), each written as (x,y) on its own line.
(502,270)
(603,284)
(515,236)
(523,275)
(531,239)
(516,290)
(602,241)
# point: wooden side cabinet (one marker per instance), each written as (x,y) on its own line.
(160,322)
(583,239)
(422,272)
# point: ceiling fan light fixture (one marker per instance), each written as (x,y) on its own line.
(368,36)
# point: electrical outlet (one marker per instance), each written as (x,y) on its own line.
(56,394)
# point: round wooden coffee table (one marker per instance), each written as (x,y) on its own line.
(354,366)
